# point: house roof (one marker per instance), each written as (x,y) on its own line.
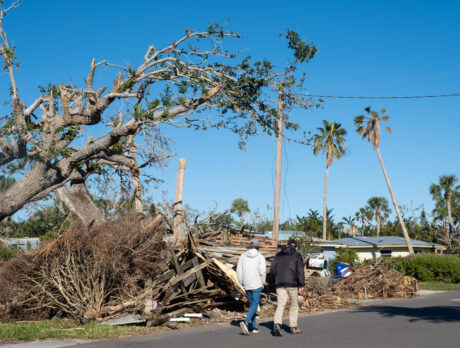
(286,234)
(366,241)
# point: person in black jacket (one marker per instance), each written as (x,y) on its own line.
(287,271)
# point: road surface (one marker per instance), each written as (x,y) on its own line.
(427,321)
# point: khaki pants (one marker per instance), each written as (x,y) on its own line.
(283,295)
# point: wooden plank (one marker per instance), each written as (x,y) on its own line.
(178,269)
(180,278)
(199,274)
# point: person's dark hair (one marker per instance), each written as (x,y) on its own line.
(292,243)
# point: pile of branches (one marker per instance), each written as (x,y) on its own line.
(376,281)
(85,275)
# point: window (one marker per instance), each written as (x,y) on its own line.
(385,253)
(417,251)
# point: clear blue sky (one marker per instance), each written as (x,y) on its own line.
(366,48)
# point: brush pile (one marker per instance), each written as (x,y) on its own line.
(376,281)
(84,275)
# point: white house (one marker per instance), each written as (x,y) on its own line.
(386,246)
(21,243)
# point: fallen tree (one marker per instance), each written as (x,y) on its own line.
(191,75)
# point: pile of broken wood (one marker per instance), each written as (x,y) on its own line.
(197,279)
(376,281)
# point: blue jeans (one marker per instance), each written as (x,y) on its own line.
(253,297)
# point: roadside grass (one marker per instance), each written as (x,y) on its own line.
(68,329)
(438,286)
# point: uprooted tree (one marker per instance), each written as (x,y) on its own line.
(192,76)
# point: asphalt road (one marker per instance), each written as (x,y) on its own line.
(427,321)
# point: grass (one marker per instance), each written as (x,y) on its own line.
(67,329)
(439,286)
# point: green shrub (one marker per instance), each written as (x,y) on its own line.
(344,255)
(428,267)
(7,253)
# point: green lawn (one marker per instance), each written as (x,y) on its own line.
(438,286)
(68,329)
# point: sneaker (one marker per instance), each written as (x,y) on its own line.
(295,330)
(277,330)
(255,330)
(244,328)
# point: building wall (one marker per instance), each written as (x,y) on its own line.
(371,253)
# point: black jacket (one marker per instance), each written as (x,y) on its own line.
(287,270)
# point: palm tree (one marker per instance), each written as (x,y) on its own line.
(446,190)
(439,213)
(330,141)
(369,128)
(380,208)
(364,215)
(350,221)
(240,207)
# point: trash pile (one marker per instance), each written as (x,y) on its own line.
(375,281)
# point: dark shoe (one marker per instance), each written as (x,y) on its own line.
(295,330)
(255,330)
(244,328)
(277,330)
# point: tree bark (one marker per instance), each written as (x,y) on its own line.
(38,179)
(395,204)
(378,224)
(449,215)
(279,144)
(325,204)
(178,225)
(79,201)
(137,189)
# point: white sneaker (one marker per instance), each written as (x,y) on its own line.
(244,328)
(255,330)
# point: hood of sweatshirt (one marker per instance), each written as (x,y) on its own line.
(251,252)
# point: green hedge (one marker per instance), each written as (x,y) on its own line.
(343,255)
(429,267)
(7,253)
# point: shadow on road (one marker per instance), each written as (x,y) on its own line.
(434,314)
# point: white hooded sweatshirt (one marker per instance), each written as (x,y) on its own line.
(251,270)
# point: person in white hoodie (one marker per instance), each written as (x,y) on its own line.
(251,272)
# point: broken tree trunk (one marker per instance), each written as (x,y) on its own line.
(178,228)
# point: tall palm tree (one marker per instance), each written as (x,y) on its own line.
(350,221)
(446,190)
(380,208)
(439,213)
(330,140)
(368,126)
(363,215)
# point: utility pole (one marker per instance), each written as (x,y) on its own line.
(178,225)
(279,144)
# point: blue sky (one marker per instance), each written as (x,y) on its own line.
(366,48)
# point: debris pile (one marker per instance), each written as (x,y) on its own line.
(376,281)
(120,267)
(194,281)
(127,266)
(84,274)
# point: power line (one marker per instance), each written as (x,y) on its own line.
(404,97)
